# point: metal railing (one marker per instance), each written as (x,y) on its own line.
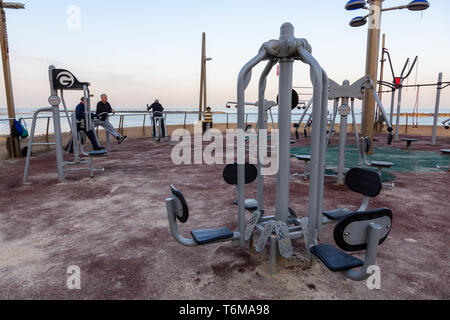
(129,119)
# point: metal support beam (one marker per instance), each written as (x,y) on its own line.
(14,141)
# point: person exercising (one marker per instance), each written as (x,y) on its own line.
(207,119)
(157,110)
(101,118)
(81,126)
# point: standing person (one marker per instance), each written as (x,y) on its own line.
(81,126)
(101,118)
(157,110)
(207,119)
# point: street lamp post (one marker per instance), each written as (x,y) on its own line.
(203,88)
(376,9)
(13,142)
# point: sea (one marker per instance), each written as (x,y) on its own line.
(133,117)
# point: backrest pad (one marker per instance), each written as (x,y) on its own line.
(181,207)
(364,181)
(230,173)
(350,234)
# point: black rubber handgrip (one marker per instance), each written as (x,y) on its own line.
(390,137)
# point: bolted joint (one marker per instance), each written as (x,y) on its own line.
(272,48)
(303,43)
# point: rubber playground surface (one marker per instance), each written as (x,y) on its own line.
(404,161)
(115,228)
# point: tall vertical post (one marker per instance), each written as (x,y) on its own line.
(284,126)
(436,110)
(391,115)
(380,86)
(344,111)
(373,48)
(13,141)
(399,110)
(202,77)
(57,130)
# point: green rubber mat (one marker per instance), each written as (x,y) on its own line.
(404,161)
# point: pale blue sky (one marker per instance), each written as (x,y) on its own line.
(139,50)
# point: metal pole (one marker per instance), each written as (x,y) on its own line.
(399,106)
(342,144)
(333,120)
(436,110)
(14,152)
(202,72)
(240,190)
(391,116)
(57,130)
(262,127)
(380,87)
(373,46)
(284,127)
(355,130)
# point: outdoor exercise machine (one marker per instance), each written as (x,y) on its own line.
(268,105)
(61,79)
(344,104)
(158,120)
(308,123)
(380,165)
(356,231)
(398,84)
(445,152)
(446,123)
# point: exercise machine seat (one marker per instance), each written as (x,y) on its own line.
(207,236)
(230,173)
(335,259)
(98,153)
(382,164)
(303,157)
(364,181)
(337,214)
(250,204)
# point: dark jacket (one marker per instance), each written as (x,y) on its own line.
(157,108)
(79,111)
(103,108)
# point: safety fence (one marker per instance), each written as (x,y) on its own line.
(129,119)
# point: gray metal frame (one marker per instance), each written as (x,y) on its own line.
(285,51)
(158,129)
(56,115)
(341,94)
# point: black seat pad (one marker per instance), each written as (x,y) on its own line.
(364,181)
(230,173)
(337,214)
(335,259)
(250,204)
(98,153)
(211,235)
(383,164)
(303,157)
(410,139)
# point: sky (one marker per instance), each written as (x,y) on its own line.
(141,50)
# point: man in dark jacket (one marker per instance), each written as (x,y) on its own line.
(81,126)
(101,115)
(157,110)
